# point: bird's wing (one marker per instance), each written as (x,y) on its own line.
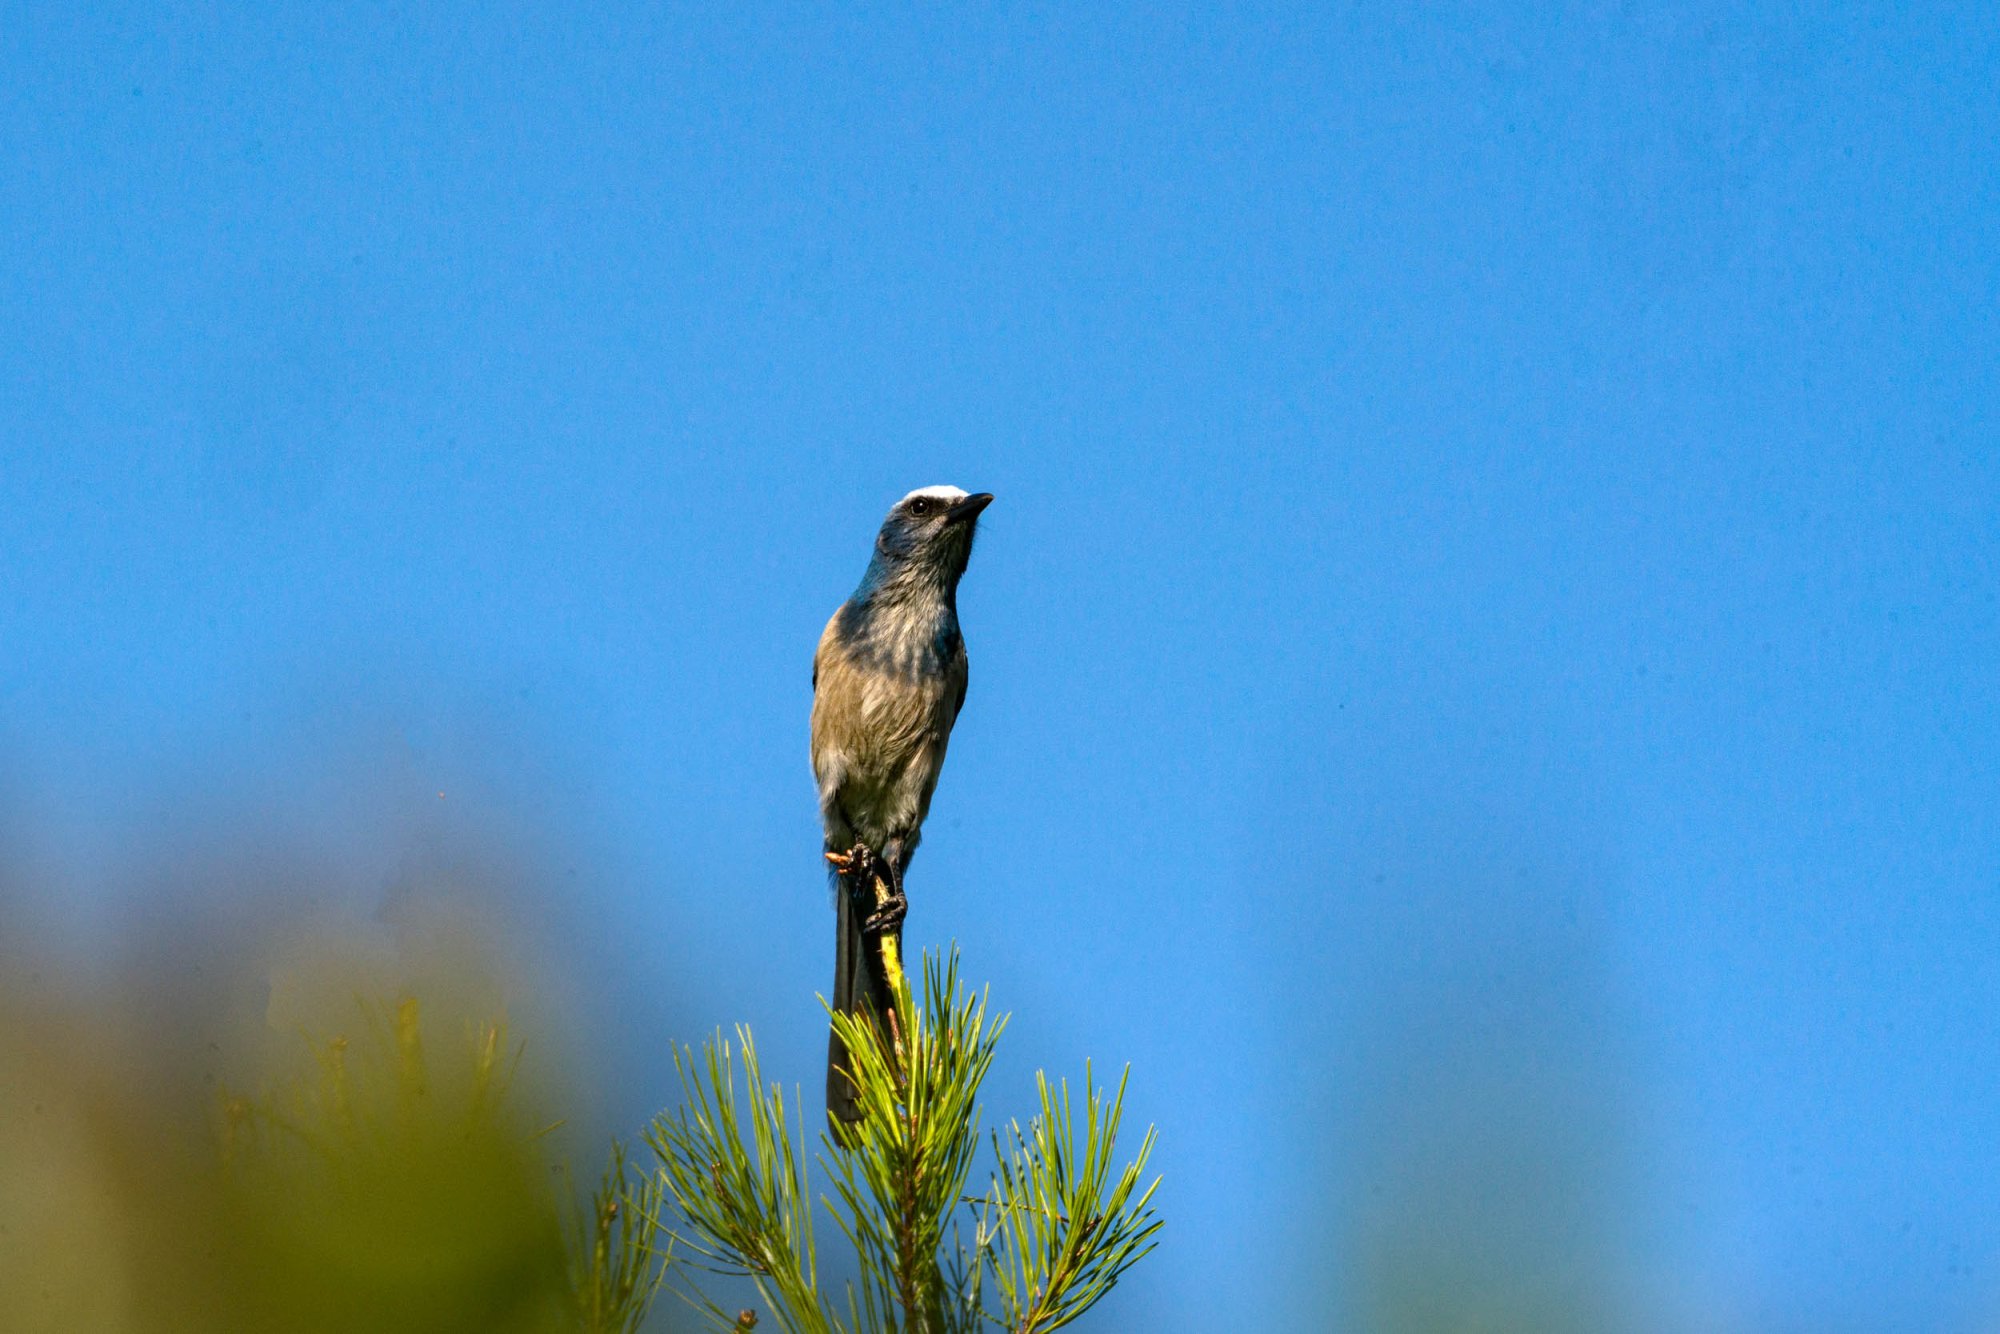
(827,644)
(823,669)
(960,675)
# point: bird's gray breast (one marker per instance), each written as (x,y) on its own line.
(888,684)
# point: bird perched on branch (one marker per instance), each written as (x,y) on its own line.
(888,682)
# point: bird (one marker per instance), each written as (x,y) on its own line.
(889,679)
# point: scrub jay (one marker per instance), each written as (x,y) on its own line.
(888,682)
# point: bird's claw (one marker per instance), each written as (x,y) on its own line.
(888,915)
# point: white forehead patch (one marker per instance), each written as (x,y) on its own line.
(935,493)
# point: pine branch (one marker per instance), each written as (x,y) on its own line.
(1054,1231)
(744,1203)
(901,1169)
(615,1268)
(1068,1229)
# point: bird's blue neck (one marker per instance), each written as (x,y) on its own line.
(904,582)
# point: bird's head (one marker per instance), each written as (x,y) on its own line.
(927,538)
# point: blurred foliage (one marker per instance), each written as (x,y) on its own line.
(388,1186)
(391,1174)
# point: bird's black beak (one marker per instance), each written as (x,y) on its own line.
(969,508)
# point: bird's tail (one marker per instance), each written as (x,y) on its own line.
(857,988)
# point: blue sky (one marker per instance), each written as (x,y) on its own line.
(1487,637)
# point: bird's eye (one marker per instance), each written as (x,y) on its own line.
(920,507)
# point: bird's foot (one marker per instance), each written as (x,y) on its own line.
(888,915)
(861,871)
(858,864)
